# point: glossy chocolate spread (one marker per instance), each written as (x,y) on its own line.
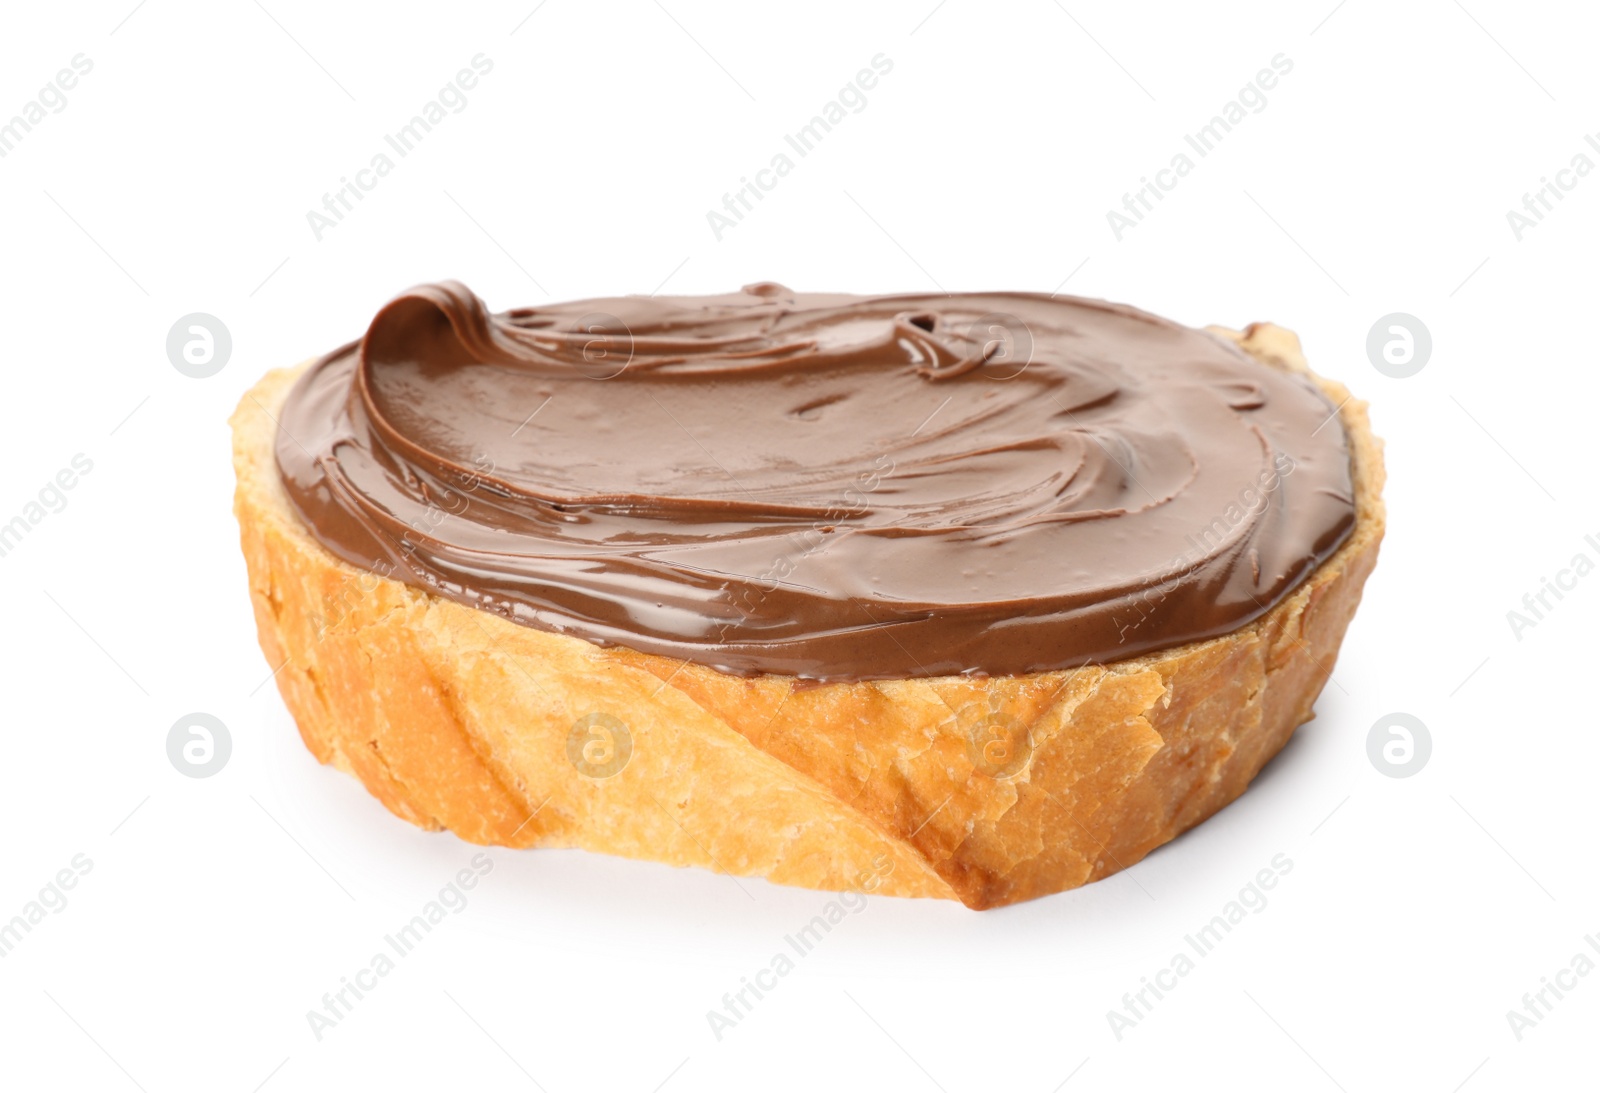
(825,486)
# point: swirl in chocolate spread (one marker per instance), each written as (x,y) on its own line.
(831,487)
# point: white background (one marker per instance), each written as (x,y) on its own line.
(219,911)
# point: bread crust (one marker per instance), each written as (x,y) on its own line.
(990,791)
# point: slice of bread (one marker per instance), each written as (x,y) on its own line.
(989,791)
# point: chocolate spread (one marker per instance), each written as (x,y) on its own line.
(832,487)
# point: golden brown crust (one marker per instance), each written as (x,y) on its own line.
(456,718)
